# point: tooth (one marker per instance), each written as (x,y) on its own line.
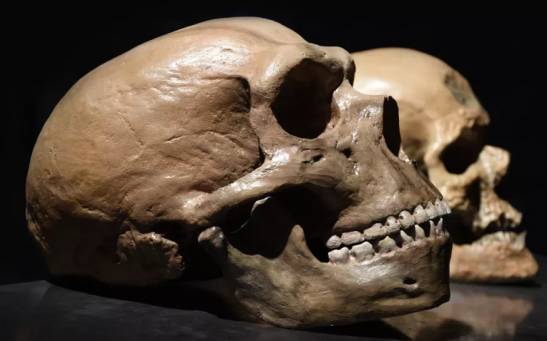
(431,210)
(392,225)
(406,238)
(406,219)
(363,251)
(441,209)
(420,233)
(446,207)
(432,232)
(334,242)
(353,237)
(339,256)
(375,231)
(387,245)
(439,227)
(519,241)
(420,215)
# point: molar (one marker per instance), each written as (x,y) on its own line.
(420,215)
(431,210)
(339,256)
(406,220)
(363,251)
(387,245)
(353,237)
(375,231)
(392,225)
(334,242)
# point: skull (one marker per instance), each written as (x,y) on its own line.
(234,148)
(442,127)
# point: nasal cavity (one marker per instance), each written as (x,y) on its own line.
(392,134)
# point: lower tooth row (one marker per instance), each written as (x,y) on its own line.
(366,251)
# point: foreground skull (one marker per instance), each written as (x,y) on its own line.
(442,126)
(240,136)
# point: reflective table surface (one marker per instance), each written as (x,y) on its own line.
(45,311)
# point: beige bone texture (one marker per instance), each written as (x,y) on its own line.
(442,128)
(235,148)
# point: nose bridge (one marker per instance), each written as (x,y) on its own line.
(356,106)
(372,134)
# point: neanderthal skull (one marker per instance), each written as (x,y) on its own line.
(238,137)
(442,127)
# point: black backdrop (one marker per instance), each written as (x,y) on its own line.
(49,48)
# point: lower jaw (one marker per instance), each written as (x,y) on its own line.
(310,293)
(494,258)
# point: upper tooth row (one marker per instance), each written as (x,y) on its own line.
(392,225)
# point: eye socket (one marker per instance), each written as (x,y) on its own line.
(302,106)
(464,151)
(390,128)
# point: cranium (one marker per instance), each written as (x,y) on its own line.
(442,127)
(238,137)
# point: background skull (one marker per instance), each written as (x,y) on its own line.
(238,137)
(443,126)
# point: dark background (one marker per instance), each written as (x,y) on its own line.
(47,49)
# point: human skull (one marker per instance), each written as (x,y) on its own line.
(238,137)
(442,127)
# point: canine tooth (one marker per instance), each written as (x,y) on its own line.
(339,256)
(420,215)
(353,237)
(392,225)
(363,251)
(431,210)
(387,245)
(420,233)
(406,219)
(441,209)
(375,231)
(406,238)
(334,242)
(439,227)
(432,229)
